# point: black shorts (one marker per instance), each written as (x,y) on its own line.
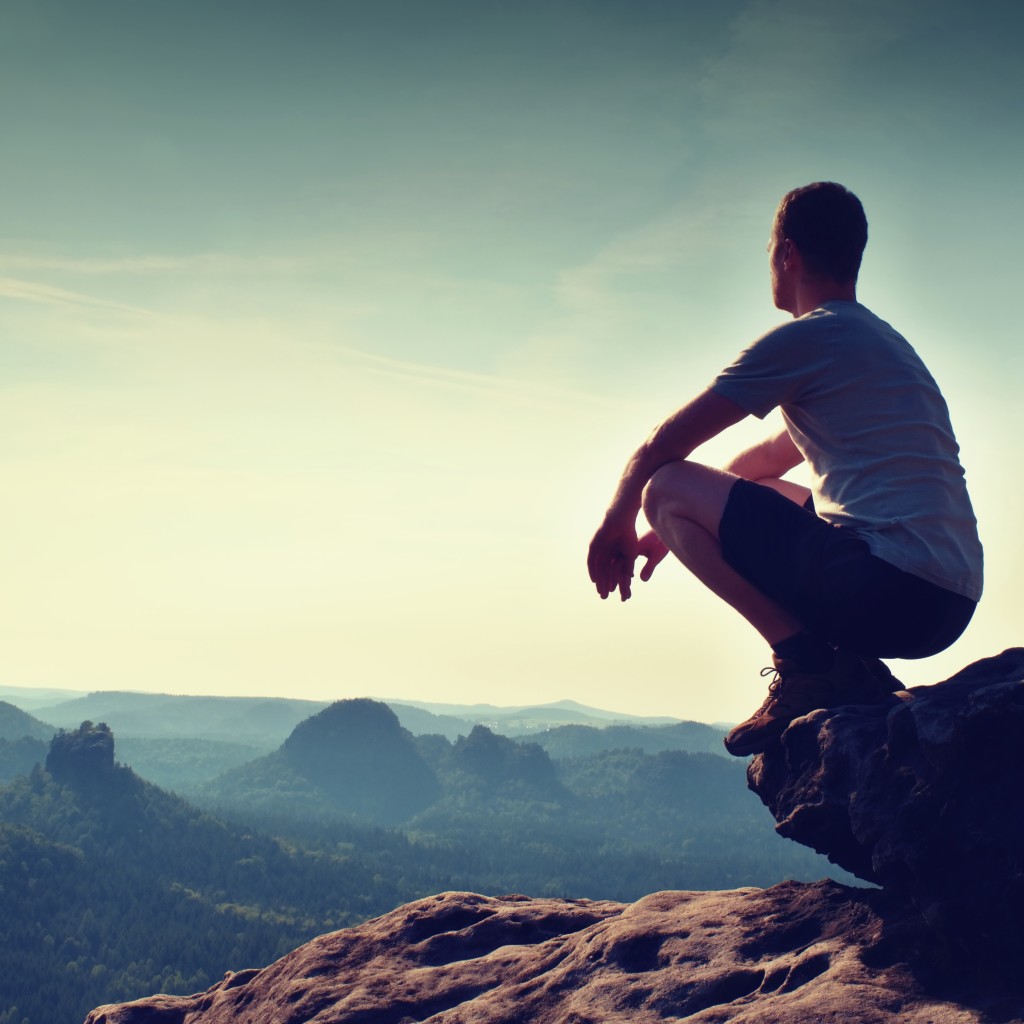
(829,580)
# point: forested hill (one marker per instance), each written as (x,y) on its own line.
(580,740)
(23,741)
(260,722)
(613,824)
(114,889)
(265,722)
(15,723)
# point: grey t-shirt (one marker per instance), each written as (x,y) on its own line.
(874,429)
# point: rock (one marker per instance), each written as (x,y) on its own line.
(82,755)
(797,952)
(923,796)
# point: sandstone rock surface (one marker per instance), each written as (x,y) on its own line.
(798,953)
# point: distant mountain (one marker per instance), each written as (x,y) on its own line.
(262,722)
(581,740)
(265,723)
(421,722)
(353,758)
(35,698)
(609,716)
(526,719)
(357,751)
(15,723)
(617,784)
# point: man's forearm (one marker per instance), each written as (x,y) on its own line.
(674,438)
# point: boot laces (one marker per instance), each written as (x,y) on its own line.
(773,687)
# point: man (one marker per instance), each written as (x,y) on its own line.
(880,557)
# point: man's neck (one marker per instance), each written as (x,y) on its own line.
(811,293)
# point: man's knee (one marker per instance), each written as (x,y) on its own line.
(661,494)
(687,490)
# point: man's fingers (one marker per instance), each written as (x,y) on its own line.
(624,572)
(598,569)
(603,581)
(610,560)
(653,552)
(652,563)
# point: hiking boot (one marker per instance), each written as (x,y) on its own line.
(879,671)
(794,692)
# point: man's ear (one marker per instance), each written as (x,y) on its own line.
(792,257)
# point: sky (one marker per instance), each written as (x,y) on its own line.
(327,326)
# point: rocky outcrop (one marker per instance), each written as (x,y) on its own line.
(799,953)
(82,755)
(924,796)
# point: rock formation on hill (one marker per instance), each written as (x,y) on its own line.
(81,755)
(922,795)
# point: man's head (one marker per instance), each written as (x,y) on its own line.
(826,223)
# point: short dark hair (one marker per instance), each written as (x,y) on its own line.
(827,224)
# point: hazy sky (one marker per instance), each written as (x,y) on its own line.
(326,327)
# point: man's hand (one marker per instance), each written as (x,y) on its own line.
(616,547)
(650,547)
(610,560)
(613,554)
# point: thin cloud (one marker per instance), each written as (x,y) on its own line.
(464,380)
(143,264)
(48,295)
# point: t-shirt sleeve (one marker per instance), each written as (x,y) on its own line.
(779,368)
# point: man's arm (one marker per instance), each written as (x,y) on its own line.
(768,459)
(615,546)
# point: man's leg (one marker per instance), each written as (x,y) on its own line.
(684,502)
(797,493)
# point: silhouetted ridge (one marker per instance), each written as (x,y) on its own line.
(357,752)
